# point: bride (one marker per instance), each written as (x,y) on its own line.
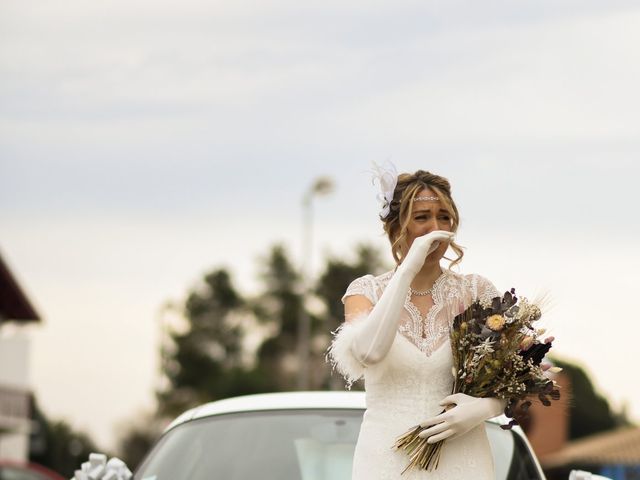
(396,335)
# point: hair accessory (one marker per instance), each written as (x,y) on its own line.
(426,199)
(387,178)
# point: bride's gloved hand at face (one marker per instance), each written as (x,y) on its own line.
(421,248)
(377,331)
(467,413)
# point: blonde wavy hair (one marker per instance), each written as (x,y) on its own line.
(396,222)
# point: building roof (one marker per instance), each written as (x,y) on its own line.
(14,304)
(617,447)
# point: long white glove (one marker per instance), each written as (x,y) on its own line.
(467,413)
(377,332)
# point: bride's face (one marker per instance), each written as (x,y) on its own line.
(427,216)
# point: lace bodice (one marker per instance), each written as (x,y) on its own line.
(451,294)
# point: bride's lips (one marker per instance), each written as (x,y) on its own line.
(434,246)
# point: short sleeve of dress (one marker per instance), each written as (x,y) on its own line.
(362,286)
(483,289)
(340,354)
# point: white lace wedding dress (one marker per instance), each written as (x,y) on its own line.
(405,388)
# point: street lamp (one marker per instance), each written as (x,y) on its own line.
(164,313)
(321,186)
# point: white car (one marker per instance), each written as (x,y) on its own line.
(292,436)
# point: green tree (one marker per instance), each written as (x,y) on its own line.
(212,358)
(278,308)
(208,361)
(57,445)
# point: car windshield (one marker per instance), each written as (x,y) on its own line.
(288,445)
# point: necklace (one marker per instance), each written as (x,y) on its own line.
(424,293)
(421,294)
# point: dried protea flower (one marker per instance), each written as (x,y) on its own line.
(495,322)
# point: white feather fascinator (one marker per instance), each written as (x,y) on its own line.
(386,176)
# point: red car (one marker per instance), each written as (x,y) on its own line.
(10,470)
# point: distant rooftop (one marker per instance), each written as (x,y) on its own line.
(14,304)
(617,447)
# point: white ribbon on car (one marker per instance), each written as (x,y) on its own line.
(98,468)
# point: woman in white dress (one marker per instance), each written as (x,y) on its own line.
(396,335)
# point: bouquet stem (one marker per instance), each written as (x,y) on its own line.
(422,455)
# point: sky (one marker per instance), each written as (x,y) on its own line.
(145,143)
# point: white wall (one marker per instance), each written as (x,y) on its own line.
(14,376)
(14,359)
(14,446)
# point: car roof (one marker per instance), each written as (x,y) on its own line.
(286,401)
(275,401)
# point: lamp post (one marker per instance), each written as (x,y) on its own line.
(320,186)
(165,338)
